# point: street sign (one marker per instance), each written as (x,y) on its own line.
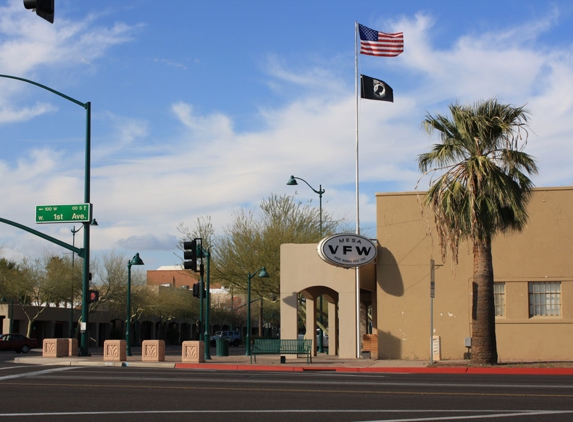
(76,213)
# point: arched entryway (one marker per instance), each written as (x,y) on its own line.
(304,274)
(318,317)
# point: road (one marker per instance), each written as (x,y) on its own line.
(154,394)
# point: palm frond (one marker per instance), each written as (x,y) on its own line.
(484,185)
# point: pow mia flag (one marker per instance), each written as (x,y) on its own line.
(375,89)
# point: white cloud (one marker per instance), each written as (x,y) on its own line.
(9,114)
(144,182)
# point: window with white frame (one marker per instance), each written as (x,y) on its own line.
(545,298)
(499,298)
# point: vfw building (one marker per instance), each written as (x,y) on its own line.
(388,309)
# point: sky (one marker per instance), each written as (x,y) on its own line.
(201,109)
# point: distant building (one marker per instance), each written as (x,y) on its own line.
(174,276)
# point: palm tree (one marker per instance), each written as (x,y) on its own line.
(481,188)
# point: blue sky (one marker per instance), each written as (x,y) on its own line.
(200,108)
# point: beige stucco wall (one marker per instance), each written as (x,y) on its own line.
(302,270)
(542,252)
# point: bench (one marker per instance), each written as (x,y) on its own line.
(266,346)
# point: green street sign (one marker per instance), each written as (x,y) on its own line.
(77,213)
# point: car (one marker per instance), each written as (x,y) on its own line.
(17,343)
(234,337)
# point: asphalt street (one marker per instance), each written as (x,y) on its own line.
(132,393)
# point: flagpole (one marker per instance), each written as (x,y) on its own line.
(356,270)
(356,85)
(373,43)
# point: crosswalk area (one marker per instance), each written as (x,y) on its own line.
(10,371)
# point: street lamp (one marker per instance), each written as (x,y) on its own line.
(74,231)
(320,191)
(136,260)
(84,346)
(262,274)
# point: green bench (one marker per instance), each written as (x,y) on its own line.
(271,346)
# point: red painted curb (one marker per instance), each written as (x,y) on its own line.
(522,371)
(273,368)
(215,366)
(417,370)
(397,369)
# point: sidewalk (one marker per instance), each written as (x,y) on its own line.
(231,362)
(320,363)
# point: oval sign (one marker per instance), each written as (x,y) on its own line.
(347,250)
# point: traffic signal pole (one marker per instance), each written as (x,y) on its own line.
(86,250)
(192,252)
(201,322)
(207,257)
(58,242)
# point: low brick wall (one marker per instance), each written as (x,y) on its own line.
(153,351)
(193,352)
(114,351)
(370,344)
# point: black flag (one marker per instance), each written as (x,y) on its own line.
(375,89)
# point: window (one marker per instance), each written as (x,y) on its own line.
(545,298)
(499,298)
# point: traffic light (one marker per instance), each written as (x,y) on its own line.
(93,296)
(197,291)
(190,257)
(44,8)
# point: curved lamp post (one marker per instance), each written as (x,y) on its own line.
(262,274)
(319,192)
(74,231)
(136,260)
(86,251)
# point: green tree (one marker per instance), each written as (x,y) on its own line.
(10,276)
(63,280)
(171,303)
(481,189)
(253,239)
(45,282)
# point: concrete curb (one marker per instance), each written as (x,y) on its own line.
(331,366)
(89,362)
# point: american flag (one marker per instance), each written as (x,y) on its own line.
(375,43)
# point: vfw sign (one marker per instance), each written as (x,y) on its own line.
(347,250)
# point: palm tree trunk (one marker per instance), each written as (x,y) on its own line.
(484,348)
